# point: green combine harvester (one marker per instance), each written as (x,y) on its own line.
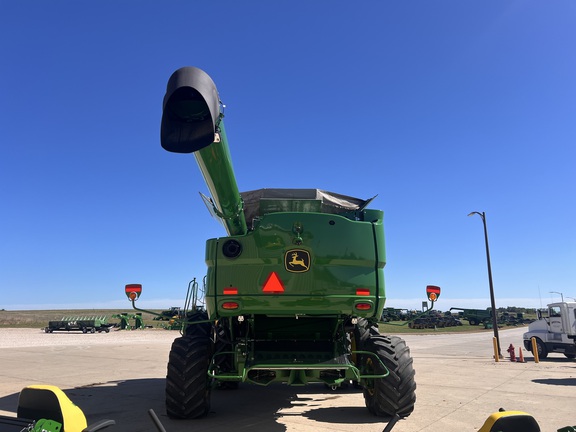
(293,292)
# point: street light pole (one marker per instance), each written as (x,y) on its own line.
(561,295)
(492,300)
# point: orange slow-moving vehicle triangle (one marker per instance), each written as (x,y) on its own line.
(273,284)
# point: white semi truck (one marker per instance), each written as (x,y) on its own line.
(555,330)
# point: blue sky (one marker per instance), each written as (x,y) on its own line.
(440,108)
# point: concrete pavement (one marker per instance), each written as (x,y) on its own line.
(120,375)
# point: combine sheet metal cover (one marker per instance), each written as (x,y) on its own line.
(261,201)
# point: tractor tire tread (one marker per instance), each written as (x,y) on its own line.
(187,382)
(395,393)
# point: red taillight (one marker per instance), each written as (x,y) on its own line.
(273,284)
(363,306)
(362,292)
(230,291)
(229,305)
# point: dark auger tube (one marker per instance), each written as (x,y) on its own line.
(192,123)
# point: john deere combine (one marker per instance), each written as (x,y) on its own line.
(292,294)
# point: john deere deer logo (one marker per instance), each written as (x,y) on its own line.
(297,261)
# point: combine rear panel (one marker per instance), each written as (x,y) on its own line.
(299,264)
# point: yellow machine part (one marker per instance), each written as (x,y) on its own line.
(510,421)
(49,402)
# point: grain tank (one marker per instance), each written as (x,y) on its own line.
(293,291)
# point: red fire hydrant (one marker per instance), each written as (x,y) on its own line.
(511,350)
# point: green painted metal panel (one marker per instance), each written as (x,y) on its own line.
(344,256)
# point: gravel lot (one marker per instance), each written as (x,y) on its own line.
(25,337)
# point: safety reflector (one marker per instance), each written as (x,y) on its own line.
(133,291)
(363,306)
(229,305)
(362,291)
(273,285)
(230,291)
(433,292)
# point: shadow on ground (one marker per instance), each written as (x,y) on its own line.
(254,408)
(556,381)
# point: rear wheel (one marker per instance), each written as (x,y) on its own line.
(187,383)
(200,329)
(395,393)
(362,332)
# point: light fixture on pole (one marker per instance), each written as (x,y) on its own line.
(556,292)
(492,300)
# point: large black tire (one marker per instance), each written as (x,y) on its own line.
(203,329)
(362,332)
(188,385)
(395,393)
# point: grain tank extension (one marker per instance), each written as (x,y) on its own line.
(293,293)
